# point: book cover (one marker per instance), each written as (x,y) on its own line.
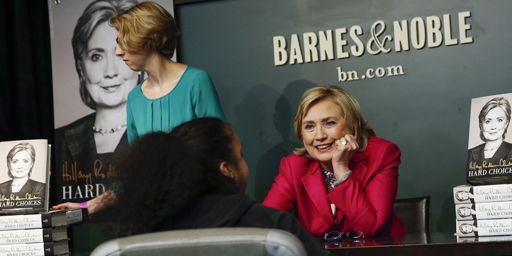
(24,178)
(478,228)
(482,193)
(36,249)
(31,221)
(39,235)
(482,211)
(490,140)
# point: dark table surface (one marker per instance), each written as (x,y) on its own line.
(425,244)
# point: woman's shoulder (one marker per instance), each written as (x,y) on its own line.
(136,93)
(294,158)
(377,144)
(5,183)
(194,71)
(507,145)
(196,76)
(82,123)
(35,183)
(295,161)
(477,148)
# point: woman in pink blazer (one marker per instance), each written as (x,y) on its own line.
(344,178)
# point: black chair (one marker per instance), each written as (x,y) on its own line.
(414,214)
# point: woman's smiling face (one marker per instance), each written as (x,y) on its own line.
(494,124)
(21,164)
(322,125)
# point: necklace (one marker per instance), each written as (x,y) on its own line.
(103,131)
(329,178)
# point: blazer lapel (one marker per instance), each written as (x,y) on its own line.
(317,191)
(358,166)
(81,143)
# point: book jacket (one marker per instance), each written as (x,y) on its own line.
(477,228)
(481,194)
(482,211)
(24,178)
(490,140)
(32,221)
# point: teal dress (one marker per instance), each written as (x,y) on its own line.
(194,96)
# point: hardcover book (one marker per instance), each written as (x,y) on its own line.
(31,221)
(481,211)
(24,178)
(477,228)
(489,144)
(36,249)
(482,193)
(39,235)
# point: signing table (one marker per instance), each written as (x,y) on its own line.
(425,244)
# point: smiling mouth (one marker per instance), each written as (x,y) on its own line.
(110,88)
(325,147)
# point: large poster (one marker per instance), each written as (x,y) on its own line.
(90,89)
(90,86)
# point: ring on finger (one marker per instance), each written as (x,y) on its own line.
(344,142)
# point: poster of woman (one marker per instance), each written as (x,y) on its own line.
(90,89)
(91,86)
(489,147)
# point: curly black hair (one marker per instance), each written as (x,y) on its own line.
(162,174)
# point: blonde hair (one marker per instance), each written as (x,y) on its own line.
(146,27)
(350,110)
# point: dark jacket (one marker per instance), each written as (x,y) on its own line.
(237,210)
(500,160)
(31,187)
(504,152)
(79,170)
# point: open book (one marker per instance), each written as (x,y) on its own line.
(24,176)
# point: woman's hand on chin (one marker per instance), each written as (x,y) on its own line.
(345,148)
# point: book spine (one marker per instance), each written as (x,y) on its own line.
(497,227)
(482,194)
(76,216)
(30,221)
(482,211)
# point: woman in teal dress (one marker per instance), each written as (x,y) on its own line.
(173,92)
(193,96)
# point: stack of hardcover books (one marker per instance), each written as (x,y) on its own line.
(34,234)
(483,210)
(27,227)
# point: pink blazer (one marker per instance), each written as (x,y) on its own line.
(364,201)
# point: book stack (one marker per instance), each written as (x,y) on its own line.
(483,210)
(34,234)
(27,228)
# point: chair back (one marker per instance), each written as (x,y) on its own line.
(211,241)
(414,214)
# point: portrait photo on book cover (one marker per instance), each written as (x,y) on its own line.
(489,144)
(23,174)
